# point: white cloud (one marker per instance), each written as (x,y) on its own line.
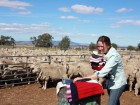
(24,12)
(83,9)
(20,30)
(74,18)
(137,22)
(122,22)
(115,26)
(64,9)
(84,21)
(120,10)
(23,28)
(68,17)
(25,31)
(134,22)
(14,4)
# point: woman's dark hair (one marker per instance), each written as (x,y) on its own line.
(105,40)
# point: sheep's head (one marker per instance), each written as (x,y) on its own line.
(36,70)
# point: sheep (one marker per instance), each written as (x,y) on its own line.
(130,63)
(78,68)
(7,76)
(15,73)
(131,81)
(137,85)
(128,60)
(74,71)
(49,72)
(3,64)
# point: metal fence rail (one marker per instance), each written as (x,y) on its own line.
(10,78)
(25,76)
(14,77)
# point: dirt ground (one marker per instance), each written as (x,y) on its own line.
(33,94)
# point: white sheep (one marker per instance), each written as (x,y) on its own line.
(131,79)
(79,68)
(137,85)
(50,72)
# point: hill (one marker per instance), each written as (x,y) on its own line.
(74,44)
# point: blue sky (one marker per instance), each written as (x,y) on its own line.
(82,20)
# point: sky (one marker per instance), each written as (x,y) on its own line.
(83,21)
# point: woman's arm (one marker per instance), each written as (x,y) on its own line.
(94,77)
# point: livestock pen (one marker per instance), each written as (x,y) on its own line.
(32,94)
(17,72)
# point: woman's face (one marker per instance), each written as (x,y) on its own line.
(102,47)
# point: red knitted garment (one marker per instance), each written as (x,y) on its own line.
(98,68)
(86,89)
(97,62)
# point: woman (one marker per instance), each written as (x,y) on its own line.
(113,68)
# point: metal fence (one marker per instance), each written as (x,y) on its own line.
(18,75)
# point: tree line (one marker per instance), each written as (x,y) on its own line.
(7,40)
(45,40)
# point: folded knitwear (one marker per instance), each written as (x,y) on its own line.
(97,62)
(81,90)
(86,89)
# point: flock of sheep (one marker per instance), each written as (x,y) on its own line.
(57,65)
(131,64)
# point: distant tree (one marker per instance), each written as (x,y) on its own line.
(139,46)
(92,46)
(34,40)
(130,48)
(44,40)
(6,40)
(64,44)
(12,42)
(114,45)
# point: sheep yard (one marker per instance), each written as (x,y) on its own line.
(31,93)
